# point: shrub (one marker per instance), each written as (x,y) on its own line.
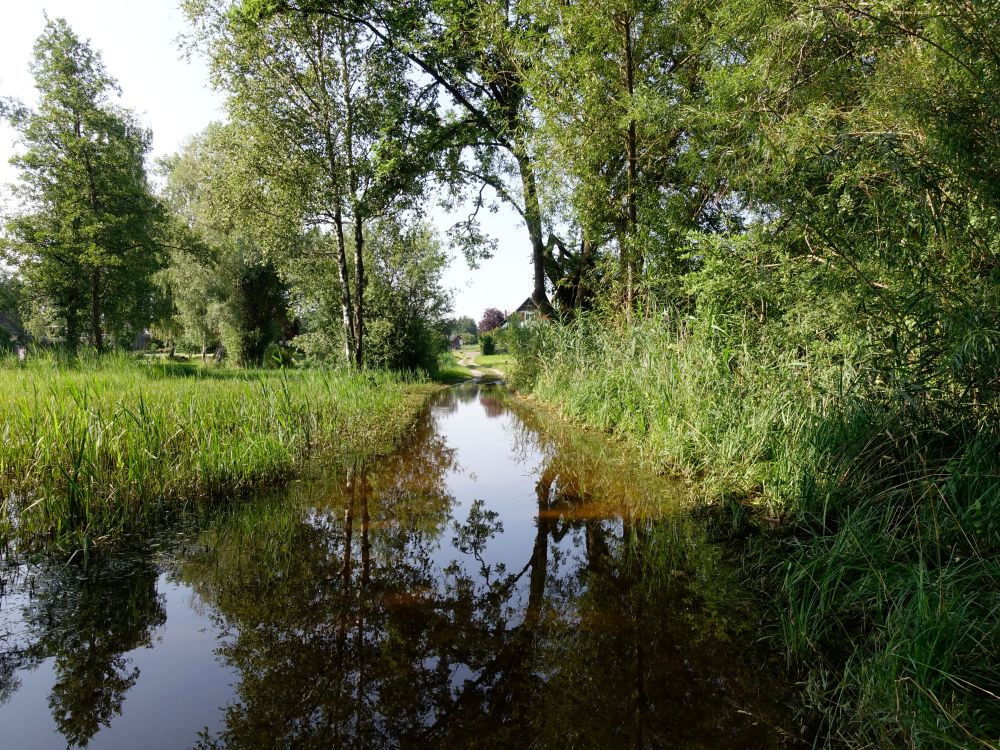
(487,344)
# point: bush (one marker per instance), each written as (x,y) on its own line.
(487,344)
(278,356)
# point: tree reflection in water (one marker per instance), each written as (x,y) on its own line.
(86,620)
(374,619)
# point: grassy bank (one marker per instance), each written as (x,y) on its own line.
(878,518)
(496,362)
(92,451)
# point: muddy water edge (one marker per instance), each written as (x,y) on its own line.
(503,580)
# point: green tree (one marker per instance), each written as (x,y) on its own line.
(86,242)
(860,139)
(464,326)
(613,83)
(333,132)
(222,282)
(472,55)
(405,299)
(10,308)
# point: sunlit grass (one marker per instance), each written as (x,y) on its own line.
(885,565)
(499,362)
(91,451)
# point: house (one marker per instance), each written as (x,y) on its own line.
(455,342)
(527,312)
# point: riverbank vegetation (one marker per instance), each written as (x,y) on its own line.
(763,235)
(874,520)
(790,222)
(91,451)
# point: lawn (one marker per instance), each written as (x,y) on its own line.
(498,362)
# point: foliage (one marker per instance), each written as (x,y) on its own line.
(405,300)
(86,241)
(333,131)
(464,327)
(614,84)
(492,318)
(221,284)
(487,344)
(11,293)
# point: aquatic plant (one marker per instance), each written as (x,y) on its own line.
(883,559)
(91,450)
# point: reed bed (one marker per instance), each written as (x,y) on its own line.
(91,451)
(872,520)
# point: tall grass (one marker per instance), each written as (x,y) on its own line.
(90,451)
(882,543)
(694,400)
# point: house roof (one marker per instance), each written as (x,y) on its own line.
(527,306)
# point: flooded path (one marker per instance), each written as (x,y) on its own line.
(500,582)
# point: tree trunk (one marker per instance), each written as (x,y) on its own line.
(352,181)
(533,219)
(346,308)
(95,277)
(359,294)
(629,252)
(72,341)
(95,309)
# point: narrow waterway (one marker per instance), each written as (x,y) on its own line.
(502,581)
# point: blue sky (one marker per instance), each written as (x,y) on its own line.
(139,43)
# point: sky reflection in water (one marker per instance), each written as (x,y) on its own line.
(502,581)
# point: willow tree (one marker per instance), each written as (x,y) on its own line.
(862,141)
(87,237)
(334,130)
(472,54)
(222,281)
(614,82)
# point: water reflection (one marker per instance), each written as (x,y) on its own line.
(390,626)
(502,581)
(85,620)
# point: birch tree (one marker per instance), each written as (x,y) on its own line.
(335,131)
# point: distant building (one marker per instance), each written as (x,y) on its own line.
(526,313)
(141,341)
(455,342)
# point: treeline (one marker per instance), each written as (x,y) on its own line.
(229,256)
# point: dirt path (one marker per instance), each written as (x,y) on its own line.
(468,359)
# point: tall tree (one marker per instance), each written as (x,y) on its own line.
(612,82)
(335,131)
(222,279)
(472,53)
(87,241)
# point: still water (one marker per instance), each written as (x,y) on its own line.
(501,581)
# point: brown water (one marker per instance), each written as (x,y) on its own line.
(502,581)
